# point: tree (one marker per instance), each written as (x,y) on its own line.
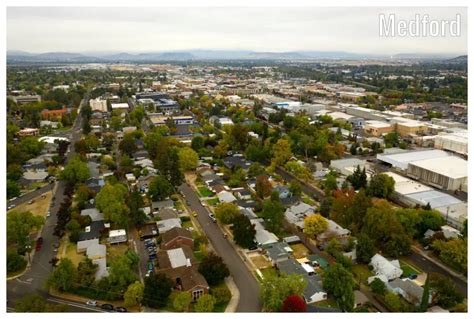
(275,289)
(181,301)
(20,225)
(157,290)
(36,303)
(205,303)
(15,261)
(381,185)
(365,248)
(393,301)
(243,231)
(295,188)
(445,292)
(330,182)
(135,202)
(76,171)
(222,294)
(378,286)
(134,294)
(160,188)
(121,270)
(128,145)
(226,212)
(453,252)
(86,273)
(338,282)
(13,190)
(64,275)
(263,187)
(213,269)
(111,201)
(426,295)
(315,225)
(294,303)
(197,143)
(256,169)
(31,146)
(273,213)
(358,179)
(281,152)
(429,219)
(188,159)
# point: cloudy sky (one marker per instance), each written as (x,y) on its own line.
(260,29)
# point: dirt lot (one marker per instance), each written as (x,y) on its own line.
(39,207)
(260,262)
(68,250)
(299,251)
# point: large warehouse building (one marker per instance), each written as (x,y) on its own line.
(449,173)
(400,159)
(454,142)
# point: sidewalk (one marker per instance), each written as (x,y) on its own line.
(234,291)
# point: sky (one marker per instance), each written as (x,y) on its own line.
(153,29)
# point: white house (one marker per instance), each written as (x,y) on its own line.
(226,197)
(384,267)
(117,236)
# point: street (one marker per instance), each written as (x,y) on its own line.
(245,281)
(34,279)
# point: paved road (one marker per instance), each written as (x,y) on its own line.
(246,283)
(29,196)
(33,281)
(415,258)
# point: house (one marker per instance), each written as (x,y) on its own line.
(155,206)
(32,176)
(283,191)
(278,252)
(148,231)
(237,160)
(262,236)
(166,213)
(130,178)
(53,114)
(102,270)
(450,232)
(297,213)
(333,231)
(242,193)
(177,237)
(95,184)
(117,236)
(84,244)
(248,212)
(226,197)
(290,201)
(175,258)
(96,251)
(406,288)
(383,267)
(93,213)
(168,224)
(189,279)
(93,231)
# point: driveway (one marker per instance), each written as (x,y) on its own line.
(246,283)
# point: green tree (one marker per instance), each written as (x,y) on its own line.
(393,301)
(226,212)
(273,213)
(134,294)
(135,202)
(213,268)
(111,201)
(197,143)
(20,225)
(315,225)
(281,152)
(188,159)
(160,188)
(63,276)
(275,289)
(122,271)
(358,179)
(181,301)
(15,261)
(338,282)
(205,303)
(86,273)
(243,231)
(263,187)
(295,188)
(381,185)
(13,190)
(378,286)
(365,248)
(221,293)
(76,171)
(128,145)
(426,295)
(31,146)
(445,291)
(157,290)
(453,252)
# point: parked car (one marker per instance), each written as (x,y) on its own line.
(212,217)
(43,196)
(39,240)
(195,214)
(149,266)
(48,214)
(91,303)
(121,309)
(31,202)
(107,306)
(11,206)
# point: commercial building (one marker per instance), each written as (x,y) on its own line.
(98,105)
(454,142)
(23,99)
(378,128)
(449,173)
(120,106)
(399,158)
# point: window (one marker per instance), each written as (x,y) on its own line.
(197,294)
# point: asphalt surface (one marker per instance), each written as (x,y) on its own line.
(415,258)
(34,279)
(246,283)
(30,195)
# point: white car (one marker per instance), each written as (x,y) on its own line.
(91,303)
(48,214)
(11,206)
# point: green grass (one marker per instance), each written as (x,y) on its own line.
(361,272)
(213,201)
(199,255)
(205,192)
(328,303)
(269,272)
(187,224)
(408,269)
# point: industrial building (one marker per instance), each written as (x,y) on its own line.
(399,158)
(98,105)
(454,142)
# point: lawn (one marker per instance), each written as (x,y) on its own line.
(408,269)
(187,224)
(299,250)
(70,251)
(205,192)
(361,272)
(114,251)
(213,201)
(328,303)
(269,272)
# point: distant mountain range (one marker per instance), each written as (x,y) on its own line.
(189,55)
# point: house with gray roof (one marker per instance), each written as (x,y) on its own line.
(168,224)
(155,206)
(409,290)
(278,252)
(93,213)
(297,213)
(96,251)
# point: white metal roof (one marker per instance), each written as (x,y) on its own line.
(401,160)
(177,257)
(450,166)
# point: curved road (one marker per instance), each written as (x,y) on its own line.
(246,283)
